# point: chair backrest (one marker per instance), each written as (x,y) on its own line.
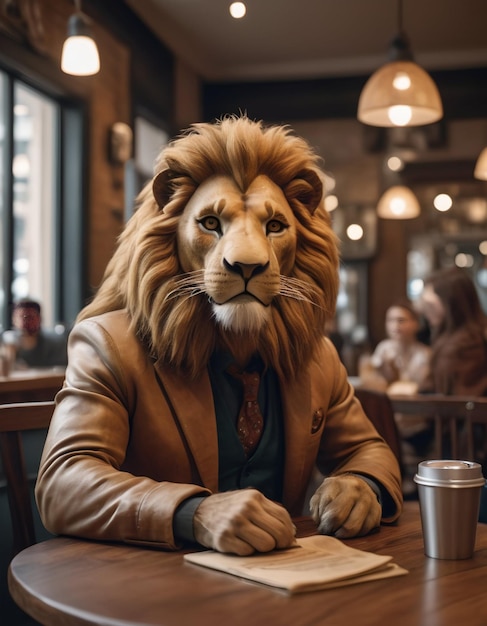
(454,420)
(14,419)
(379,410)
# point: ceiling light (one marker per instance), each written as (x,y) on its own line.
(480,171)
(237,10)
(400,93)
(80,54)
(398,203)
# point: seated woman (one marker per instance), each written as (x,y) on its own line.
(451,305)
(401,364)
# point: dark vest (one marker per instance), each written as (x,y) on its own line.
(264,469)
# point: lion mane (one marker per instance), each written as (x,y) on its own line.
(142,275)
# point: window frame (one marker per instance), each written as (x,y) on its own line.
(70,200)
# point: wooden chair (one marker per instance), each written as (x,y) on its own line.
(379,410)
(454,420)
(14,419)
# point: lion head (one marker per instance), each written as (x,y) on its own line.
(230,247)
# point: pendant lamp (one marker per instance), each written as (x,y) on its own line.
(400,93)
(480,171)
(398,203)
(80,53)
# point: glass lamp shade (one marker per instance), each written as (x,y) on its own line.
(398,203)
(80,53)
(480,171)
(400,93)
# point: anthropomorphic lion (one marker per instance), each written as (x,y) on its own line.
(228,267)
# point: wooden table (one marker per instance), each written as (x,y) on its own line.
(74,582)
(31,385)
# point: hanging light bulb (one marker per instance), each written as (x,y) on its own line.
(398,203)
(400,93)
(80,53)
(480,171)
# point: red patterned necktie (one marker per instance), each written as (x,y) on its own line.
(250,422)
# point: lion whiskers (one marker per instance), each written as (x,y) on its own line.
(188,285)
(298,290)
(192,284)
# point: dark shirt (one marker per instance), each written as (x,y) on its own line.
(50,350)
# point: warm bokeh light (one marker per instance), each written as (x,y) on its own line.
(355,232)
(400,114)
(80,56)
(480,171)
(398,202)
(395,164)
(237,10)
(477,210)
(442,202)
(330,182)
(483,247)
(331,203)
(401,81)
(464,260)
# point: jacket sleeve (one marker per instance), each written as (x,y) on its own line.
(82,488)
(351,444)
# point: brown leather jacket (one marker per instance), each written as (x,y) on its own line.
(130,439)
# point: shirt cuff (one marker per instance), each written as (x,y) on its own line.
(373,485)
(183,519)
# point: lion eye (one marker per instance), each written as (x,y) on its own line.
(275,226)
(210,222)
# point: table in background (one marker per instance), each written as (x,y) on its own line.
(31,385)
(75,582)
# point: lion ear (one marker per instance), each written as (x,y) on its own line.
(307,188)
(162,187)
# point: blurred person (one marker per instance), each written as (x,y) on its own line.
(35,346)
(451,305)
(402,363)
(402,357)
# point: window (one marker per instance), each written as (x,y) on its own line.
(33,218)
(149,140)
(34,199)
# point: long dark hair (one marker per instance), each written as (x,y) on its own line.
(460,300)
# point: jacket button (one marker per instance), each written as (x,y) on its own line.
(317,420)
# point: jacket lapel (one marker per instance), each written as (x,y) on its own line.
(193,410)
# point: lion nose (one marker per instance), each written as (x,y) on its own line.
(246,270)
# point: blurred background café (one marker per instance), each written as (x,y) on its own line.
(407,195)
(392,94)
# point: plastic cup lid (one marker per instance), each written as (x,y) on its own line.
(450,471)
